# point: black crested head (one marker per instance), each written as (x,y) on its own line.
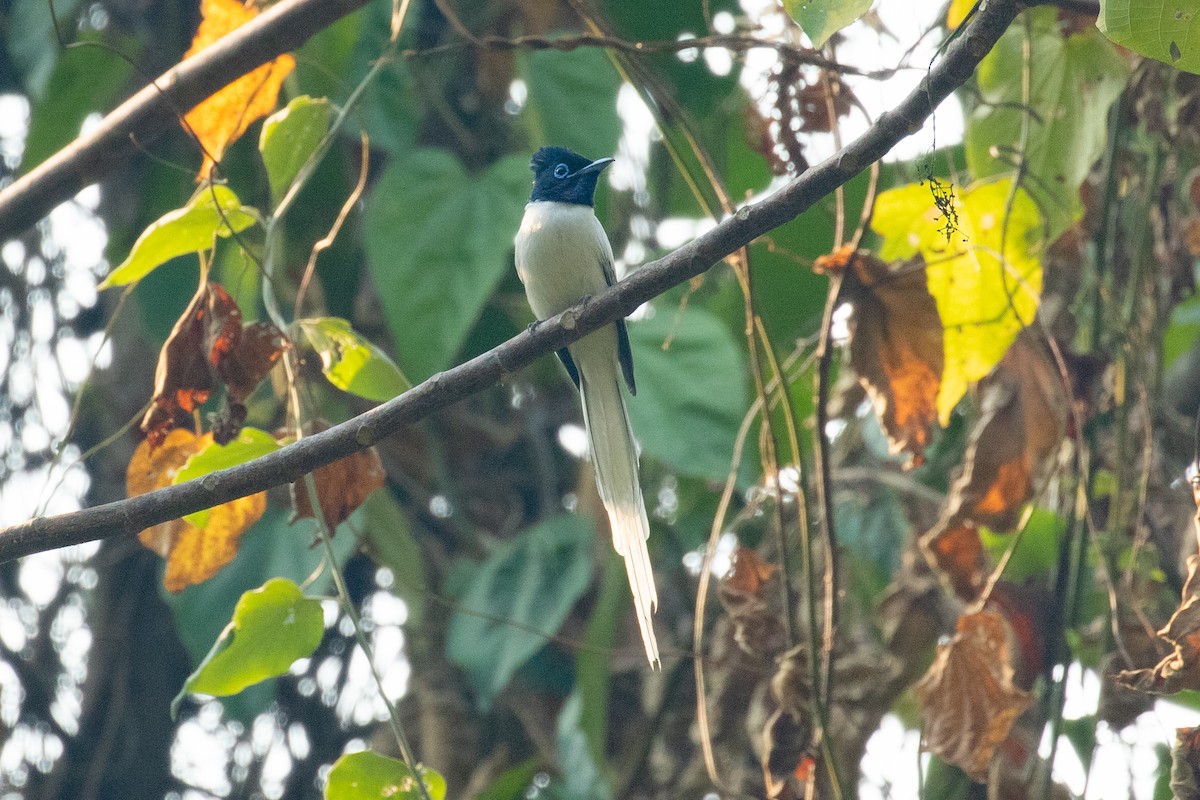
(563,176)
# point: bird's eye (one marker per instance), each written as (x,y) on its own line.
(561,171)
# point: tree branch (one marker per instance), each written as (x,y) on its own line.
(290,463)
(156,108)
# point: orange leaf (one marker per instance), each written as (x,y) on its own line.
(968,700)
(896,349)
(341,486)
(222,118)
(193,554)
(1021,425)
(749,573)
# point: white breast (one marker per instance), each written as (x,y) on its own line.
(561,254)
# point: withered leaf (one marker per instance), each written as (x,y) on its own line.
(183,380)
(757,629)
(1022,423)
(968,699)
(193,554)
(223,117)
(342,486)
(208,343)
(1181,668)
(896,349)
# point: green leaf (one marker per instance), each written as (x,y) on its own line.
(1073,82)
(531,582)
(1036,555)
(1182,332)
(512,784)
(351,362)
(250,444)
(1166,30)
(572,100)
(370,776)
(692,396)
(581,777)
(821,19)
(273,547)
(31,41)
(289,137)
(983,302)
(593,664)
(389,539)
(272,627)
(211,212)
(438,241)
(86,79)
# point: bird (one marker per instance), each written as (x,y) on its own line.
(563,256)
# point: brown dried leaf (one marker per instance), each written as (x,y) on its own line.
(342,486)
(896,349)
(968,699)
(1181,668)
(223,117)
(1021,425)
(749,573)
(209,338)
(757,628)
(193,554)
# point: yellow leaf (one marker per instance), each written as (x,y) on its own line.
(983,300)
(958,12)
(193,554)
(222,118)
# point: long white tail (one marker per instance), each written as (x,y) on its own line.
(614,457)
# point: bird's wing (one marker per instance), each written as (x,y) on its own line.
(624,352)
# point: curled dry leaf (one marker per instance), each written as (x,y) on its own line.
(342,486)
(209,344)
(193,554)
(1181,668)
(1021,425)
(222,118)
(968,699)
(896,348)
(743,593)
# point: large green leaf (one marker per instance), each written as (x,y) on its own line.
(572,100)
(1073,81)
(692,396)
(289,137)
(532,582)
(31,41)
(370,776)
(1166,30)
(389,539)
(581,776)
(273,547)
(85,80)
(212,212)
(272,627)
(512,784)
(351,362)
(249,445)
(821,19)
(438,242)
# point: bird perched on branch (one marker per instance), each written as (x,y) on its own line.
(563,255)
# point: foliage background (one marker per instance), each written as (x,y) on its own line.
(512,646)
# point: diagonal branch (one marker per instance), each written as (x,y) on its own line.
(290,463)
(156,108)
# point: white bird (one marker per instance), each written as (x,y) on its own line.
(564,255)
